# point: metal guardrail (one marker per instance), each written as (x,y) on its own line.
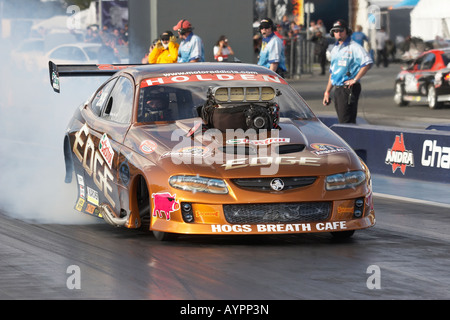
(299,54)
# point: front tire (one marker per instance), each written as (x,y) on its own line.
(341,235)
(164,236)
(432,98)
(398,96)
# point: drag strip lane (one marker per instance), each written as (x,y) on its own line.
(413,216)
(409,245)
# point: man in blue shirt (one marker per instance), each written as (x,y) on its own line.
(191,46)
(349,63)
(272,50)
(359,36)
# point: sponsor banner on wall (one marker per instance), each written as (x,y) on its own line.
(408,153)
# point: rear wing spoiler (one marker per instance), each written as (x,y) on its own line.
(81,70)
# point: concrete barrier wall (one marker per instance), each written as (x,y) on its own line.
(403,153)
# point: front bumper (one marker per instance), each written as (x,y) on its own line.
(443,98)
(211,219)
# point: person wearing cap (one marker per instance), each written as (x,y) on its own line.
(349,63)
(165,49)
(191,47)
(272,49)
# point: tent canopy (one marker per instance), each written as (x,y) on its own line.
(431,19)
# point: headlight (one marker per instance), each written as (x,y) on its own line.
(199,184)
(346,180)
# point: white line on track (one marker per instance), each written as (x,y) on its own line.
(412,200)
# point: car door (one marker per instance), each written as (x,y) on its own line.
(413,75)
(427,73)
(107,121)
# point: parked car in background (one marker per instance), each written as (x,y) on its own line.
(32,55)
(425,80)
(28,53)
(78,53)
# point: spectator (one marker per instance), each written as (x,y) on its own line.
(293,48)
(321,27)
(117,38)
(257,41)
(320,50)
(191,47)
(391,50)
(312,27)
(165,49)
(108,53)
(152,46)
(359,37)
(294,31)
(124,34)
(280,34)
(285,25)
(92,36)
(222,49)
(381,38)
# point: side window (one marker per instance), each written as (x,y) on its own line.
(417,64)
(120,102)
(61,53)
(428,61)
(100,98)
(77,55)
(446,58)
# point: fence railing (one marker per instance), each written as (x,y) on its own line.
(299,54)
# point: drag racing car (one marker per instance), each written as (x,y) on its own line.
(426,79)
(211,149)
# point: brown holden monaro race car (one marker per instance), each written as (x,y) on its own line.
(210,148)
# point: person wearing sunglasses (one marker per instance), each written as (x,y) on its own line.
(191,46)
(349,63)
(272,49)
(165,49)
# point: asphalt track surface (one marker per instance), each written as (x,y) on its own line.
(43,242)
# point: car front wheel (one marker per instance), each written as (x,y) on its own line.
(341,235)
(432,98)
(398,96)
(164,236)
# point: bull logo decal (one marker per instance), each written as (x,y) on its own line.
(165,203)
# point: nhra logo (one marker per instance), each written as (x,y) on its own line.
(398,156)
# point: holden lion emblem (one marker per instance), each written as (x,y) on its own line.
(277,184)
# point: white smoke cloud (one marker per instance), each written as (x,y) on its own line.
(33,120)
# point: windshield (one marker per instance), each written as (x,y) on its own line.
(161,100)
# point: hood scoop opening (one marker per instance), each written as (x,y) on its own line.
(239,150)
(289,148)
(252,150)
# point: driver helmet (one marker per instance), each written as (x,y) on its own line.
(155,105)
